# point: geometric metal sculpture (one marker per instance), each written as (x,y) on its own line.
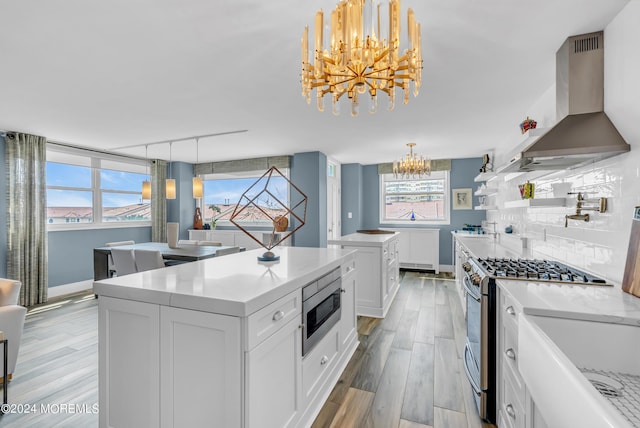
(261,201)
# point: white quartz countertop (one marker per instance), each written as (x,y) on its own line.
(363,239)
(235,284)
(588,302)
(464,233)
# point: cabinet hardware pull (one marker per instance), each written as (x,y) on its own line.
(301,326)
(278,316)
(511,311)
(324,360)
(510,353)
(343,290)
(510,411)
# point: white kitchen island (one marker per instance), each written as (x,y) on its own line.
(219,342)
(378,272)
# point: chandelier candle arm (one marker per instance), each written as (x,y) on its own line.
(358,58)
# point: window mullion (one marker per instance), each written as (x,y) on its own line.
(97,193)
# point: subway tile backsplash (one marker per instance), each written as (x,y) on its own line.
(598,246)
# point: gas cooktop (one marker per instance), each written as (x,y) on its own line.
(536,270)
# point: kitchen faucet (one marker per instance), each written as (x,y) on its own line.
(602,207)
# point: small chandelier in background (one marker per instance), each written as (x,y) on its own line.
(411,165)
(359,59)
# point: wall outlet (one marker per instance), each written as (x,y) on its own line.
(349,215)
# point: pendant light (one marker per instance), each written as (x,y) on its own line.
(170,182)
(197,181)
(146,184)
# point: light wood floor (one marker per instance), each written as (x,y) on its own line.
(406,373)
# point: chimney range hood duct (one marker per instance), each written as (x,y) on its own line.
(583,134)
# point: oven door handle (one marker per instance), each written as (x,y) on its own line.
(474,386)
(475,294)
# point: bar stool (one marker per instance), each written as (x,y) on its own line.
(5,375)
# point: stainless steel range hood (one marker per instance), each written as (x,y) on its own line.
(583,134)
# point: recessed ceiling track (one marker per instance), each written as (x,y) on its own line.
(176,140)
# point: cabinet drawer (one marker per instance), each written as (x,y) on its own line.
(317,362)
(512,406)
(348,266)
(269,319)
(509,310)
(510,355)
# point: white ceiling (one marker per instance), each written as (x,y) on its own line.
(109,74)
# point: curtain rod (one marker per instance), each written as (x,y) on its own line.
(94,150)
(177,140)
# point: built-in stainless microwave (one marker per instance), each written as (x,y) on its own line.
(320,308)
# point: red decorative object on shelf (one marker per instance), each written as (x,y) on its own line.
(528,124)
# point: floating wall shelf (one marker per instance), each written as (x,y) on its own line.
(485,176)
(485,207)
(532,203)
(489,191)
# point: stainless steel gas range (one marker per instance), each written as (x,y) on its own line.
(480,287)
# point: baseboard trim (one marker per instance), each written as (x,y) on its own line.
(446,268)
(74,287)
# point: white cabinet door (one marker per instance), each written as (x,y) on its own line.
(200,369)
(273,385)
(348,309)
(129,338)
(369,296)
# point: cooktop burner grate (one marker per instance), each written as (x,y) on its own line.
(538,270)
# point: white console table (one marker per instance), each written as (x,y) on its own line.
(233,237)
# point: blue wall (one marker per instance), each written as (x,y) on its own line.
(309,174)
(71,251)
(351,201)
(462,174)
(182,208)
(3,212)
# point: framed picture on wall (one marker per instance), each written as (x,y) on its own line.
(461,199)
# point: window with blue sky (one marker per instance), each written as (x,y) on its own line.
(81,191)
(221,195)
(415,200)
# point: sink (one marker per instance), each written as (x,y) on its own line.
(579,372)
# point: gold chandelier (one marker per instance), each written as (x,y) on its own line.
(359,59)
(411,165)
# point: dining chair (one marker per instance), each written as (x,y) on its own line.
(225,251)
(187,242)
(110,267)
(124,261)
(148,260)
(210,243)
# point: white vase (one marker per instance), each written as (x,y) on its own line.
(172,234)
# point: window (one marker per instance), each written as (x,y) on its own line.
(223,191)
(93,189)
(421,201)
